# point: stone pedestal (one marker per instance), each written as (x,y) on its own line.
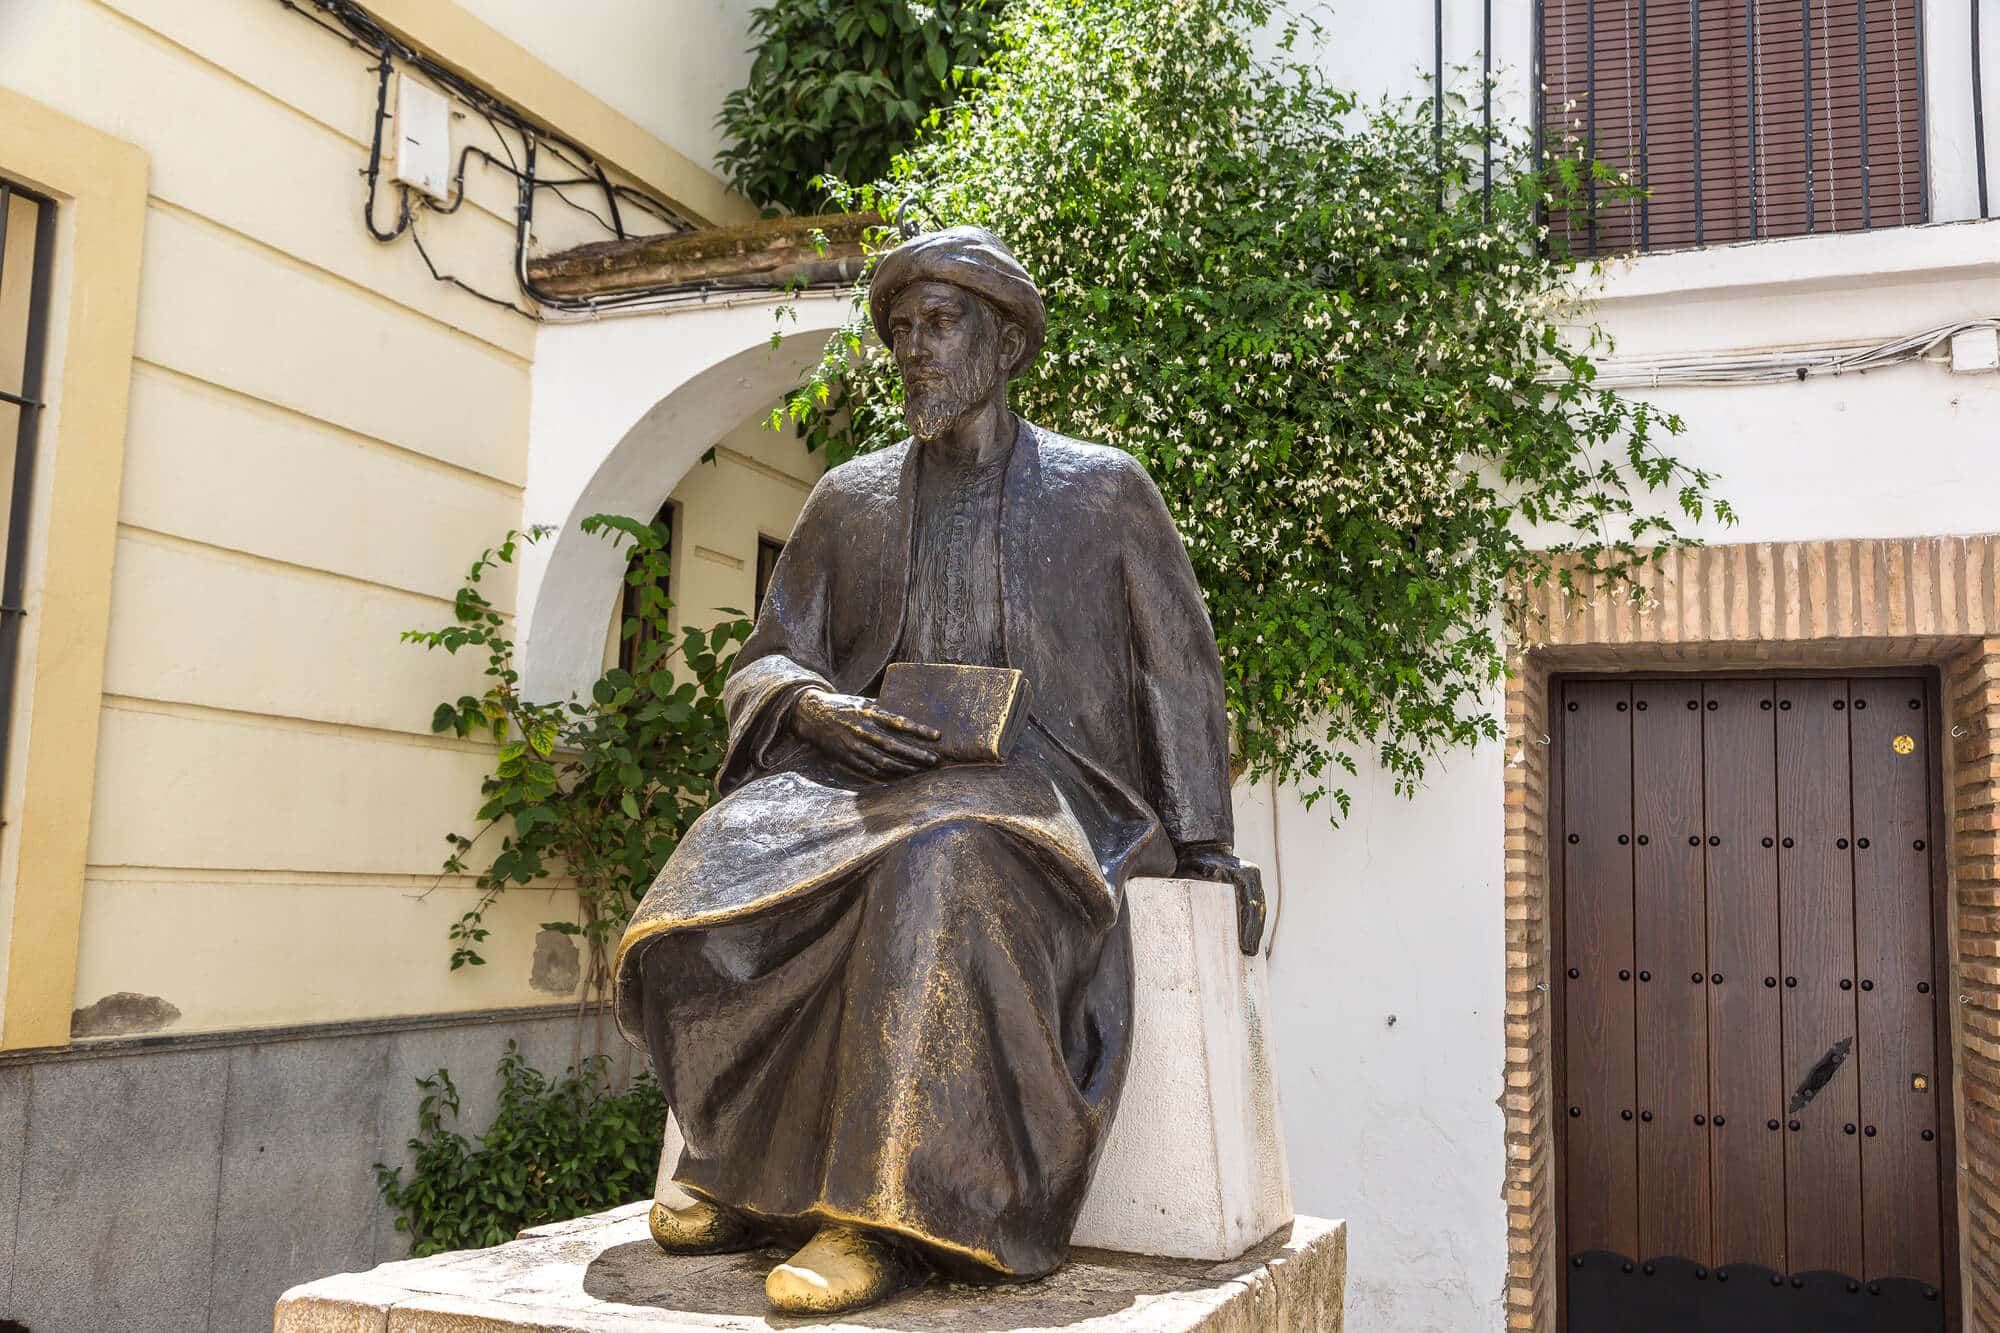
(1194,1166)
(603,1274)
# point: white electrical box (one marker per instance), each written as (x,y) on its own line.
(1974,350)
(423,138)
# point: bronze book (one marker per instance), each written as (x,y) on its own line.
(978,709)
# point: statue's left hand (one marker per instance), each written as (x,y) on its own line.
(1218,864)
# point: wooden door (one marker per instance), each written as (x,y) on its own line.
(1753,1128)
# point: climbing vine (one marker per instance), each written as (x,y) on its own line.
(1358,379)
(598,791)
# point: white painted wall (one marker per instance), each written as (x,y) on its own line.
(1396,1127)
(621,409)
(1387,999)
(1398,912)
(665,63)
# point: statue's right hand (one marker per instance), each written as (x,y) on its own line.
(858,735)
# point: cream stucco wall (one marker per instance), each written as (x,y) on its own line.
(755,487)
(665,63)
(752,487)
(321,437)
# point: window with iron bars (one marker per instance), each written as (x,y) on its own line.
(768,551)
(27,250)
(1735,119)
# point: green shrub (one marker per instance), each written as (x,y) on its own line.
(839,86)
(559,1148)
(1363,388)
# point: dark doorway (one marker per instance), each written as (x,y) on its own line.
(1756,1117)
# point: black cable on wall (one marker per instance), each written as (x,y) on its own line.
(354,25)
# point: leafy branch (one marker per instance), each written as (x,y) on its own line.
(598,791)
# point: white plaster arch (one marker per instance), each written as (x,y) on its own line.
(621,409)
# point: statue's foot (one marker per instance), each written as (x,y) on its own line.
(703,1228)
(840,1269)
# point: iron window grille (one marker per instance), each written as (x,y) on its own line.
(768,551)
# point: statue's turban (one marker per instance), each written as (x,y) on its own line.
(969,257)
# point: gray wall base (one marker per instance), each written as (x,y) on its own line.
(182,1183)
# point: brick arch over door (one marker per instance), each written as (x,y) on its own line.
(1925,602)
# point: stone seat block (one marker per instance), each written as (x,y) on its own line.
(1194,1165)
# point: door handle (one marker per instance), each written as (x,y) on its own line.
(1822,1073)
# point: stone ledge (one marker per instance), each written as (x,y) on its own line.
(603,1274)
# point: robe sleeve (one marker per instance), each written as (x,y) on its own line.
(785,654)
(1182,721)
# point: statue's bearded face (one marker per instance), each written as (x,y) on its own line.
(951,349)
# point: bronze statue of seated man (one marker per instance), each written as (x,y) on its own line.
(889,998)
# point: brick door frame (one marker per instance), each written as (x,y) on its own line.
(1917,603)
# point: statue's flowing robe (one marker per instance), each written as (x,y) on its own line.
(906,1005)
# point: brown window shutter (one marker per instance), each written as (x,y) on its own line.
(1741,118)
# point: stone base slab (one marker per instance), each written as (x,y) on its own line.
(603,1274)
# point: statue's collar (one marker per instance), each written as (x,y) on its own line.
(1019,497)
